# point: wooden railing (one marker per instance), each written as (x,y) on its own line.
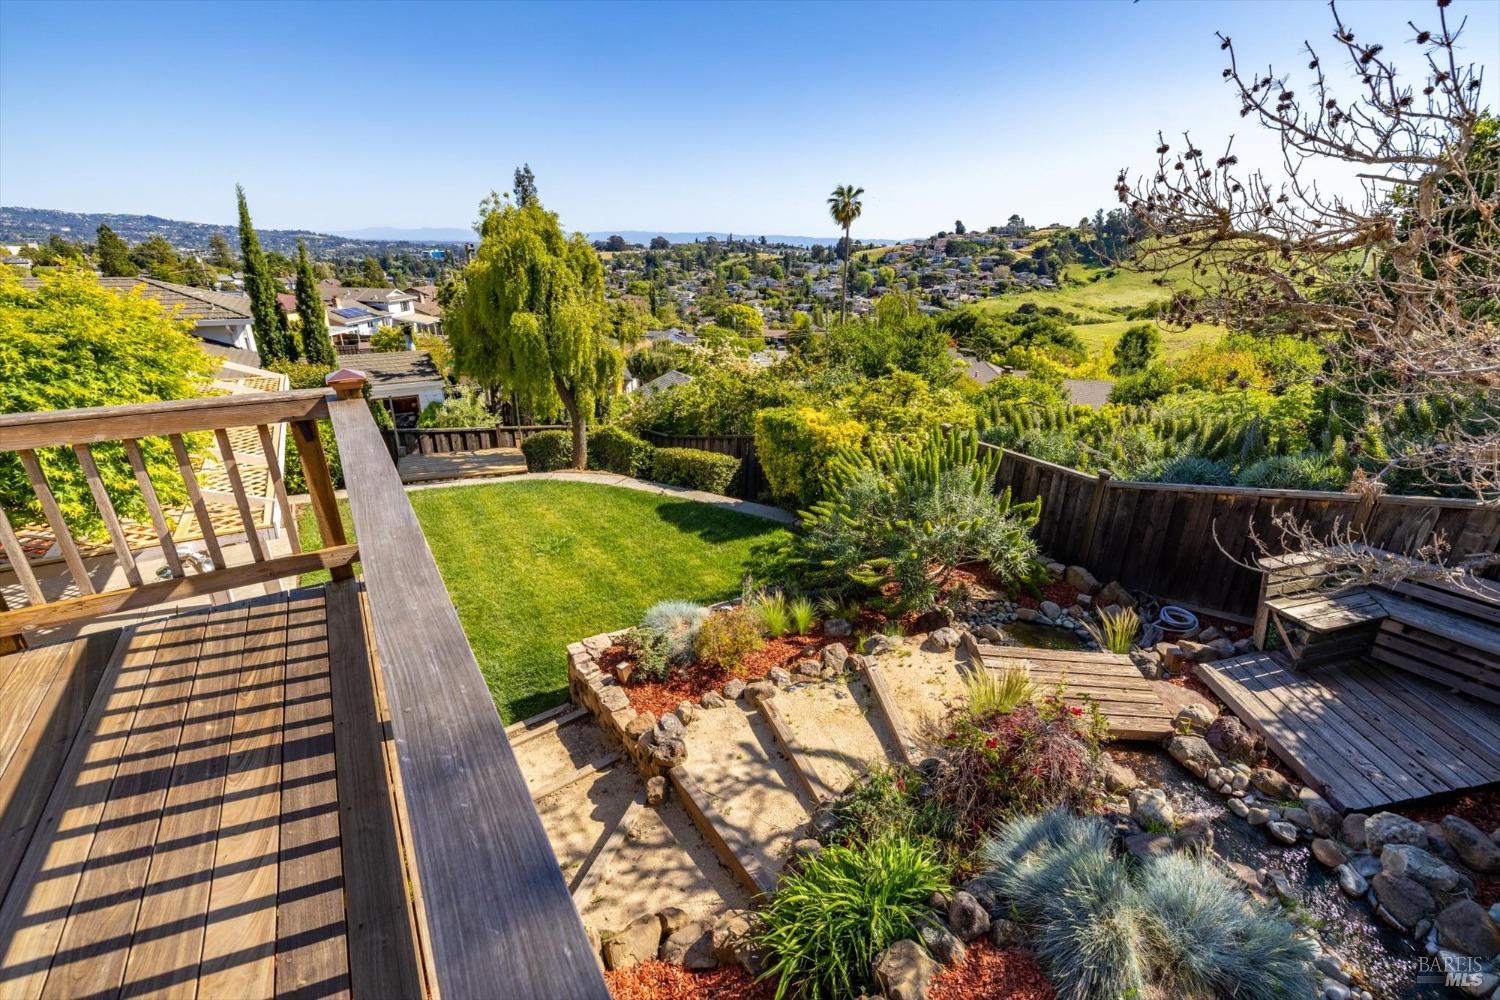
(82,431)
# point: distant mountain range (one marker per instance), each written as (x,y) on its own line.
(647,235)
(431,234)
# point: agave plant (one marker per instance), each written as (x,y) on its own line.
(1116,630)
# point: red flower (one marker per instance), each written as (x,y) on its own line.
(1075,709)
(992,742)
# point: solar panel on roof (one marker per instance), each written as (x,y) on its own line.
(350,312)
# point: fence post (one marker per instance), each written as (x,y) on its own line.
(1101,484)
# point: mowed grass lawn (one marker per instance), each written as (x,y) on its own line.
(534,565)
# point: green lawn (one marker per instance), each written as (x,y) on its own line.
(534,565)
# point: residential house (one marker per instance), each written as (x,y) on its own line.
(405,381)
(671,378)
(672,336)
(218,317)
(387,306)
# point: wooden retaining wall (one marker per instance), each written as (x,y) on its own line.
(1166,538)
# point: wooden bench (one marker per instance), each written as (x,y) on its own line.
(1318,627)
(1441,642)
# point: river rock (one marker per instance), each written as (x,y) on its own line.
(1050,610)
(1473,848)
(1324,818)
(1351,882)
(1195,715)
(1193,753)
(990,633)
(1352,830)
(1232,739)
(1298,817)
(1419,865)
(1272,784)
(1403,902)
(1389,828)
(691,946)
(837,628)
(1151,809)
(1328,853)
(734,935)
(1114,593)
(1367,865)
(1238,807)
(1282,831)
(942,943)
(1257,816)
(904,971)
(1027,614)
(942,639)
(1081,579)
(966,917)
(636,942)
(834,657)
(1117,777)
(1466,926)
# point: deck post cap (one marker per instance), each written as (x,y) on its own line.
(347,382)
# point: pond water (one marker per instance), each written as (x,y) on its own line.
(1387,958)
(1042,636)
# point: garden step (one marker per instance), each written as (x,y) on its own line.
(839,730)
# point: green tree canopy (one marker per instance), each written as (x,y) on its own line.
(530,316)
(741,318)
(388,339)
(316,346)
(1136,349)
(73,343)
(114,254)
(220,254)
(371,275)
(272,340)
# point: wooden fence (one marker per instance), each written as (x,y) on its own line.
(749,483)
(443,440)
(1185,543)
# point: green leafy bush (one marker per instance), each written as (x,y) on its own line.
(548,451)
(614,449)
(726,638)
(1192,469)
(910,514)
(827,922)
(889,801)
(795,443)
(651,650)
(679,621)
(694,468)
(467,409)
(1306,471)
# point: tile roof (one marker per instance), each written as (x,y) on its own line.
(671,378)
(397,367)
(197,303)
(1088,391)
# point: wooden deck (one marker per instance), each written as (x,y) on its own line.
(1366,736)
(1130,704)
(417,468)
(222,823)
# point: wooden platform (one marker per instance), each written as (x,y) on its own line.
(1130,705)
(419,468)
(207,831)
(1366,736)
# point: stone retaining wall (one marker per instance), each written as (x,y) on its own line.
(593,689)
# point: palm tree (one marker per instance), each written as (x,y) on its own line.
(844,205)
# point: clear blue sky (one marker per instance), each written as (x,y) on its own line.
(634,116)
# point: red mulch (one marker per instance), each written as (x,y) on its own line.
(991,973)
(1058,593)
(690,682)
(656,980)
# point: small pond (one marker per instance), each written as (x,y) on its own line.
(1041,636)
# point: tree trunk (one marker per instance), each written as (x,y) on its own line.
(580,432)
(844,300)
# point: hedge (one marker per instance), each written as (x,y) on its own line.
(614,449)
(694,468)
(794,443)
(548,450)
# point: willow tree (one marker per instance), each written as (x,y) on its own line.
(529,316)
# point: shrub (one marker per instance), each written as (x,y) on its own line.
(1041,754)
(726,638)
(889,801)
(651,650)
(696,469)
(1116,630)
(1205,939)
(1144,386)
(989,692)
(773,614)
(827,922)
(1194,469)
(467,409)
(1090,942)
(1026,858)
(1306,471)
(794,445)
(614,449)
(547,451)
(679,621)
(800,610)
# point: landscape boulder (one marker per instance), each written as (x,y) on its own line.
(967,918)
(1195,836)
(1231,738)
(941,639)
(1272,784)
(669,726)
(834,657)
(669,753)
(1328,853)
(656,790)
(1193,753)
(759,691)
(809,668)
(942,943)
(837,628)
(687,712)
(1402,901)
(1114,593)
(1150,808)
(1081,579)
(712,699)
(734,934)
(1050,610)
(1467,927)
(1117,777)
(1389,828)
(636,942)
(1195,715)
(1420,866)
(733,689)
(691,946)
(642,723)
(779,676)
(878,644)
(1352,830)
(1472,847)
(904,971)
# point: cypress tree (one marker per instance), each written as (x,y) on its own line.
(316,346)
(114,254)
(270,336)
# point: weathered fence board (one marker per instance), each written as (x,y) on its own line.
(1190,544)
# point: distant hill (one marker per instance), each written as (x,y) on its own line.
(37,225)
(433,234)
(647,235)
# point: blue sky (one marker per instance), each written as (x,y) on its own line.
(668,116)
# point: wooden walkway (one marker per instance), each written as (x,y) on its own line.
(1365,736)
(208,831)
(461,465)
(1130,705)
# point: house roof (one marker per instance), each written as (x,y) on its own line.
(197,304)
(330,291)
(1088,391)
(671,378)
(351,316)
(398,367)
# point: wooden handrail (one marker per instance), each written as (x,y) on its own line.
(499,915)
(43,428)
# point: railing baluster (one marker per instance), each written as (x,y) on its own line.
(247,516)
(107,512)
(273,469)
(320,488)
(200,506)
(153,504)
(17,556)
(55,519)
